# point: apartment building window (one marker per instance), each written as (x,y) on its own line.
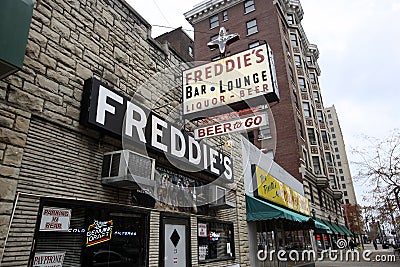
(336,149)
(293,40)
(311,136)
(328,159)
(297,60)
(300,128)
(337,156)
(339,164)
(316,97)
(251,27)
(254,44)
(225,15)
(345,193)
(214,22)
(309,60)
(333,135)
(190,51)
(341,178)
(335,143)
(249,6)
(290,19)
(302,84)
(320,116)
(340,171)
(316,165)
(344,186)
(313,78)
(306,110)
(347,201)
(324,137)
(329,116)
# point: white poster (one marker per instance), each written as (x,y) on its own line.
(55,219)
(48,259)
(202,229)
(175,245)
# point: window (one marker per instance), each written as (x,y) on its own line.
(302,85)
(344,186)
(309,60)
(293,40)
(320,116)
(214,22)
(124,240)
(264,132)
(216,242)
(333,135)
(345,193)
(336,149)
(330,122)
(330,116)
(337,156)
(316,97)
(339,163)
(340,171)
(316,165)
(313,78)
(324,137)
(254,44)
(328,158)
(297,60)
(306,109)
(290,19)
(347,201)
(190,51)
(249,6)
(335,143)
(311,136)
(225,15)
(341,178)
(251,27)
(300,128)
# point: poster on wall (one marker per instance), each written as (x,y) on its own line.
(99,232)
(55,219)
(202,229)
(48,259)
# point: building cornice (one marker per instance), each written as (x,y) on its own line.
(209,7)
(295,7)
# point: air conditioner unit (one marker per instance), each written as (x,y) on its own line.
(127,169)
(217,198)
(313,142)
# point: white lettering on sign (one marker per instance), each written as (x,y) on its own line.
(243,124)
(48,259)
(55,219)
(237,78)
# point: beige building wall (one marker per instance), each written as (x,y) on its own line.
(341,161)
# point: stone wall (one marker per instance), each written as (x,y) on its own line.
(69,42)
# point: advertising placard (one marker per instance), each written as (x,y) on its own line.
(238,125)
(48,259)
(55,219)
(99,232)
(237,81)
(202,229)
(270,188)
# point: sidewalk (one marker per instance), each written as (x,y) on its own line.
(379,257)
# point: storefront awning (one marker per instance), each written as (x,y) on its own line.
(320,225)
(258,210)
(345,230)
(335,228)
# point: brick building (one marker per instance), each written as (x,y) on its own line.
(65,193)
(304,147)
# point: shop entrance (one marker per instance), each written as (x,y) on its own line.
(175,242)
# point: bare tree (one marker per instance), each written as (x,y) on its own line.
(379,165)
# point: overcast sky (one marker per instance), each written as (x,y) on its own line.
(359,45)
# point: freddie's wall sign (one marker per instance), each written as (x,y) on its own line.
(108,110)
(233,82)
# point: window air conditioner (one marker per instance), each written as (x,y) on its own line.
(127,169)
(217,198)
(313,142)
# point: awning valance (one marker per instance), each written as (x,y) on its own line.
(258,210)
(346,230)
(322,226)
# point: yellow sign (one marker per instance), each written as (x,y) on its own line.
(270,188)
